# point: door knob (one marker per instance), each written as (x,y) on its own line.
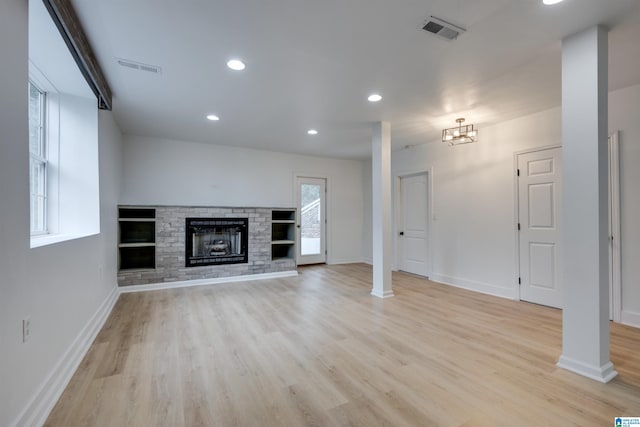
(402,233)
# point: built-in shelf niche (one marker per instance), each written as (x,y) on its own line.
(283,234)
(137,257)
(137,238)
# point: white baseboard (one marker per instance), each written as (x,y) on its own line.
(40,405)
(603,374)
(630,318)
(368,261)
(204,282)
(472,285)
(347,261)
(385,294)
(43,401)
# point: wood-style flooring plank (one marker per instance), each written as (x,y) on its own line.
(319,350)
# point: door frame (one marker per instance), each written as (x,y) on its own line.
(615,272)
(516,211)
(397,215)
(615,285)
(327,210)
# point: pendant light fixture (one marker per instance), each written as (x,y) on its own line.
(462,134)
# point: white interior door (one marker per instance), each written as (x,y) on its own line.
(413,225)
(540,223)
(312,220)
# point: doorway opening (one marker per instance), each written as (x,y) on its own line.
(312,220)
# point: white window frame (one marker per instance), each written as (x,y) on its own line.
(51,139)
(41,160)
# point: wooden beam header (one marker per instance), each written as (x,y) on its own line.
(70,28)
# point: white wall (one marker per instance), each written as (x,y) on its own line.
(78,179)
(473,234)
(472,224)
(164,172)
(367,220)
(624,115)
(60,286)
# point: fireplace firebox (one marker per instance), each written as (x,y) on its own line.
(216,241)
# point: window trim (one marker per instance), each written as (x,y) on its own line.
(51,135)
(40,159)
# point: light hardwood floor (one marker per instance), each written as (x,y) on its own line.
(317,349)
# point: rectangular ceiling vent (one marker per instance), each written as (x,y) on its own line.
(442,29)
(139,66)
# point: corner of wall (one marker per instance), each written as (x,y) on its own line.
(630,318)
(50,390)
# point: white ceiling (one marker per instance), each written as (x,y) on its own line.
(312,64)
(50,57)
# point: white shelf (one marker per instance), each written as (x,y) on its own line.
(283,221)
(283,242)
(137,219)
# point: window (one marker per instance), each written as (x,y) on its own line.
(37,160)
(63,139)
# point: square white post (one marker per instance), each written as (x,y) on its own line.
(381,184)
(585,315)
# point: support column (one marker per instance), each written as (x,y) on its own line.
(381,184)
(585,315)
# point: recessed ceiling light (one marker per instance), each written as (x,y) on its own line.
(374,97)
(312,132)
(550,2)
(213,117)
(236,65)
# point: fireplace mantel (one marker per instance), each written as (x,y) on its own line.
(170,246)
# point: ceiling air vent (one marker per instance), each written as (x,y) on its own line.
(139,66)
(442,29)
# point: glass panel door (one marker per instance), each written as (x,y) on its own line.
(312,220)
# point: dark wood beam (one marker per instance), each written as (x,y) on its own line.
(70,28)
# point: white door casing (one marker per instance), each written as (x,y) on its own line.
(615,285)
(312,220)
(540,226)
(413,225)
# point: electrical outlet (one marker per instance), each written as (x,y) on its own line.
(26,329)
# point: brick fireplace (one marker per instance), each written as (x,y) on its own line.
(171,241)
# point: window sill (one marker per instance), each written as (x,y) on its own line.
(50,239)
